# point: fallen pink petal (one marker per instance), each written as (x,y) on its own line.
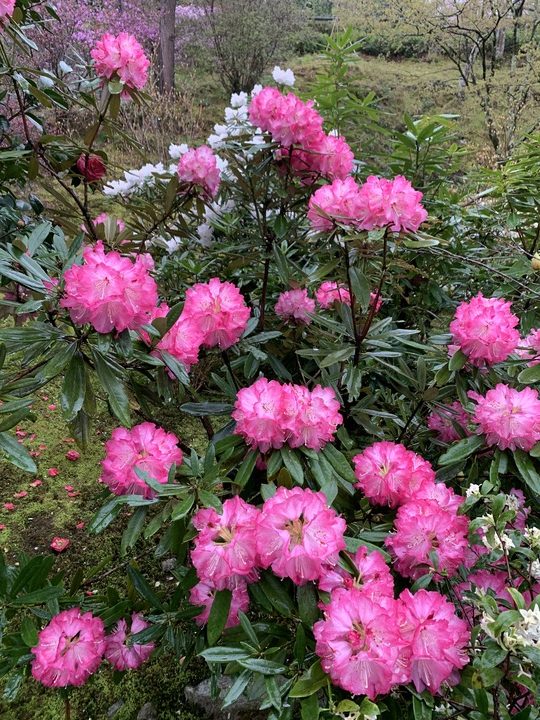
(73,455)
(59,544)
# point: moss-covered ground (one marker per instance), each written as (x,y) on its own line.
(49,510)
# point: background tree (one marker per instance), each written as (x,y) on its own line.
(167,24)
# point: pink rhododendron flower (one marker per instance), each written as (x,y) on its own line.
(199,167)
(389,474)
(327,156)
(529,348)
(73,455)
(121,655)
(6,9)
(335,204)
(484,330)
(145,447)
(492,580)
(59,544)
(109,291)
(52,472)
(422,529)
(332,292)
(311,417)
(390,203)
(288,119)
(204,592)
(183,341)
(298,535)
(69,649)
(225,544)
(121,57)
(220,311)
(436,639)
(374,579)
(375,299)
(508,418)
(91,167)
(359,643)
(258,412)
(443,419)
(295,305)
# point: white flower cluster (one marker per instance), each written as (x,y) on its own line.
(137,180)
(236,123)
(283,77)
(524,633)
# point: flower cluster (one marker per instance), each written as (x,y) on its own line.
(508,418)
(295,533)
(330,293)
(295,306)
(200,167)
(110,291)
(269,414)
(297,127)
(214,314)
(529,348)
(484,330)
(121,57)
(378,203)
(146,448)
(71,647)
(6,9)
(444,419)
(91,167)
(368,646)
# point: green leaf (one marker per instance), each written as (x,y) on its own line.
(361,287)
(133,530)
(219,614)
(114,387)
(262,666)
(237,688)
(527,470)
(177,368)
(309,708)
(203,409)
(143,588)
(29,632)
(307,604)
(246,468)
(104,516)
(277,594)
(73,387)
(457,361)
(310,682)
(461,450)
(421,711)
(182,508)
(293,464)
(223,654)
(272,691)
(39,597)
(16,453)
(339,462)
(530,375)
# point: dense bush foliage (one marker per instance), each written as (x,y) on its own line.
(360,537)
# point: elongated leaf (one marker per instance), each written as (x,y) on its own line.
(530,375)
(224,654)
(143,588)
(310,682)
(16,453)
(219,614)
(133,530)
(461,450)
(293,464)
(39,597)
(114,387)
(262,666)
(246,468)
(527,470)
(73,387)
(237,688)
(203,409)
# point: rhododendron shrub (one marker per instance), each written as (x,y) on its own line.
(323,472)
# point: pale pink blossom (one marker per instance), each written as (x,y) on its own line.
(109,291)
(508,418)
(529,348)
(443,419)
(332,292)
(484,330)
(298,535)
(258,412)
(327,156)
(390,203)
(121,57)
(6,9)
(389,474)
(183,341)
(220,311)
(311,418)
(199,167)
(122,654)
(288,119)
(225,543)
(359,643)
(426,534)
(69,649)
(436,639)
(296,306)
(373,576)
(204,593)
(145,447)
(334,204)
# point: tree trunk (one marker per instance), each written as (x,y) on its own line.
(166,45)
(500,41)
